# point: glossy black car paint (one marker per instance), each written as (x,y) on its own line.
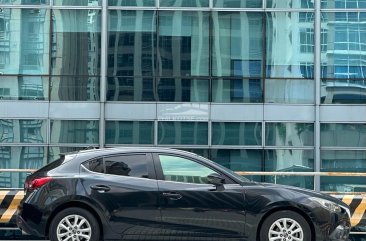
(132,208)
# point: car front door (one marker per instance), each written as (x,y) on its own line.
(191,207)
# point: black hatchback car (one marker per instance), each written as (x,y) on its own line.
(165,194)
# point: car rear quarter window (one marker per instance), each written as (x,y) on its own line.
(127,165)
(95,165)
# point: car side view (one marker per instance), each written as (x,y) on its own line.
(165,194)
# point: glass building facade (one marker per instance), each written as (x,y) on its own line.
(255,85)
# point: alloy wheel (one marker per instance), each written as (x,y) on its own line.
(74,228)
(285,229)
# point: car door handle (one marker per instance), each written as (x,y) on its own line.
(100,188)
(172,196)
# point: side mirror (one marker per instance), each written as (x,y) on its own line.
(215,179)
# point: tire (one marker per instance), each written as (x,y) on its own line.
(296,227)
(63,226)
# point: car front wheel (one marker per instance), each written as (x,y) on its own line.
(285,226)
(74,224)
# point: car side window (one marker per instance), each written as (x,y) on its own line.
(95,165)
(180,169)
(127,165)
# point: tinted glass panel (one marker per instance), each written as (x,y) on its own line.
(131,43)
(290,3)
(24,39)
(24,2)
(130,89)
(183,43)
(290,134)
(179,169)
(76,42)
(290,91)
(285,56)
(95,165)
(344,4)
(132,3)
(183,90)
(343,135)
(343,161)
(75,131)
(23,131)
(132,166)
(237,3)
(343,91)
(23,87)
(235,53)
(237,90)
(69,88)
(184,3)
(129,132)
(183,133)
(55,151)
(25,157)
(77,3)
(234,133)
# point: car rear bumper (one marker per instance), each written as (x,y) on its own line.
(26,228)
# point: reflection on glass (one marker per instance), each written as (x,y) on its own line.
(290,160)
(23,131)
(233,52)
(24,2)
(76,42)
(237,4)
(184,3)
(290,3)
(129,132)
(346,46)
(240,160)
(343,135)
(344,4)
(183,43)
(235,133)
(289,91)
(70,88)
(343,161)
(237,90)
(132,3)
(290,134)
(285,56)
(23,88)
(130,89)
(24,41)
(200,152)
(75,131)
(90,3)
(183,90)
(343,91)
(55,151)
(183,133)
(131,43)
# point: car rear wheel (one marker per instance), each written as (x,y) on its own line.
(74,224)
(285,226)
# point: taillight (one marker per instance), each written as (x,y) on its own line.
(38,182)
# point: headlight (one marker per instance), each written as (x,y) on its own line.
(329,205)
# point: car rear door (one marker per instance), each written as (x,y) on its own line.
(190,207)
(125,186)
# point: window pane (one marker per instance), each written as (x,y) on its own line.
(290,4)
(132,166)
(131,43)
(289,91)
(24,38)
(95,165)
(343,135)
(23,131)
(343,161)
(184,3)
(290,161)
(343,91)
(179,169)
(237,90)
(90,3)
(132,3)
(290,134)
(237,4)
(234,133)
(240,160)
(183,90)
(344,4)
(235,53)
(69,88)
(184,43)
(76,42)
(346,47)
(129,132)
(55,151)
(130,89)
(24,2)
(75,131)
(285,56)
(183,133)
(23,88)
